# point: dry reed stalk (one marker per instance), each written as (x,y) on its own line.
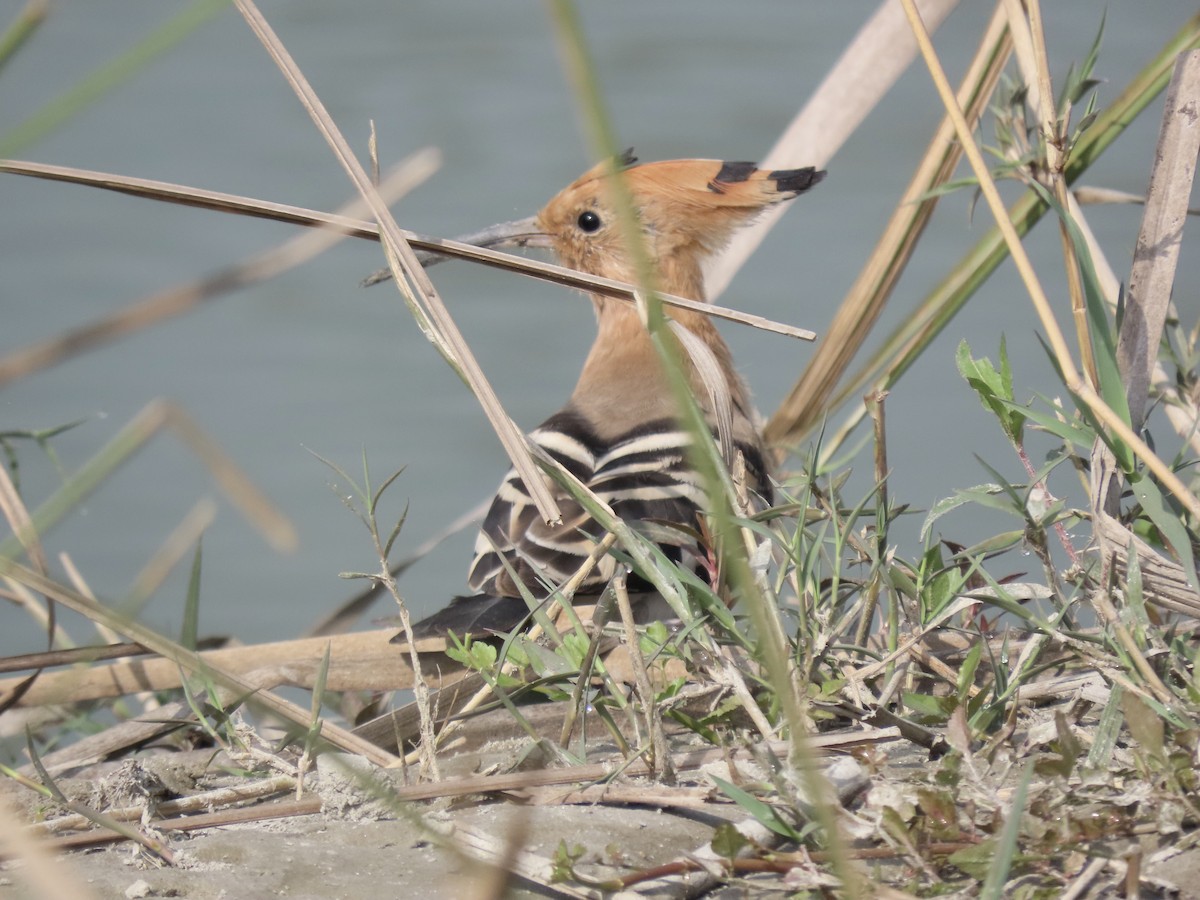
(80,584)
(686,761)
(1179,407)
(1086,195)
(422,297)
(661,764)
(120,830)
(73,656)
(704,868)
(360,661)
(433,249)
(862,76)
(1029,39)
(809,399)
(118,739)
(655,796)
(1161,233)
(902,347)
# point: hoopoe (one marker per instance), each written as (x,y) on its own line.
(619,432)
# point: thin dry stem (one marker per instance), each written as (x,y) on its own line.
(423,298)
(661,762)
(204,801)
(1030,40)
(428,745)
(1161,233)
(362,661)
(433,248)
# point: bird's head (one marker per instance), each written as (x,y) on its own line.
(686,209)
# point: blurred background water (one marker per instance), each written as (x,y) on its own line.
(309,363)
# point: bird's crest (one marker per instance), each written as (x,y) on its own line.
(687,207)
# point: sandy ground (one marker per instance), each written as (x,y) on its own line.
(320,857)
(357,849)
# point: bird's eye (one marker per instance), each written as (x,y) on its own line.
(589,222)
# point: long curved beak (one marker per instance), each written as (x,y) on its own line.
(517,233)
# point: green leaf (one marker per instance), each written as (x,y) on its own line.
(1079,82)
(993,387)
(764,813)
(477,655)
(975,860)
(987,495)
(1006,847)
(1071,431)
(1168,525)
(1104,347)
(1107,730)
(565,857)
(728,842)
(935,708)
(966,674)
(191,604)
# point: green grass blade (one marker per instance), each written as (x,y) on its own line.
(191,606)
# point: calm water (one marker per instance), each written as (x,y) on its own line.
(310,364)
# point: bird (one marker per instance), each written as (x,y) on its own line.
(619,432)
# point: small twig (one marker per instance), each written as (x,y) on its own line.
(345,615)
(1084,880)
(70,657)
(597,772)
(283,809)
(207,800)
(428,743)
(119,830)
(660,762)
(1090,194)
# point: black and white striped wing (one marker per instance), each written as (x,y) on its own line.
(643,475)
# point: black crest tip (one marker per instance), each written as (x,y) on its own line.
(797,181)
